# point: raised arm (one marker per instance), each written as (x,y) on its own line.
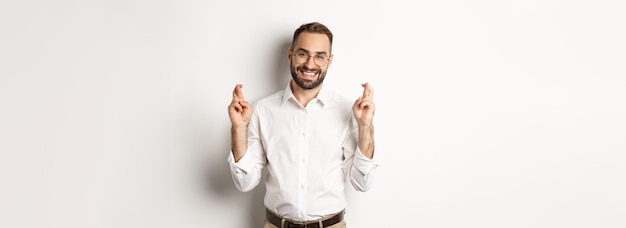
(364,114)
(239,112)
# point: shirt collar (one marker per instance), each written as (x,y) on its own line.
(323,96)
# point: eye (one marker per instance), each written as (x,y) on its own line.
(302,55)
(320,57)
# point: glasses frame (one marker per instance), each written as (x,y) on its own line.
(296,53)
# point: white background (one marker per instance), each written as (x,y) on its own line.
(489,113)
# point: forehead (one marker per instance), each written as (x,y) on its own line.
(313,42)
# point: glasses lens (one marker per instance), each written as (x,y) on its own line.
(302,57)
(321,60)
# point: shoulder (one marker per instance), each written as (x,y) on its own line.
(270,100)
(338,99)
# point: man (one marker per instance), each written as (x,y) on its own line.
(309,139)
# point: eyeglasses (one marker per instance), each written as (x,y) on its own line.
(303,57)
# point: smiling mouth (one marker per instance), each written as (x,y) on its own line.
(307,74)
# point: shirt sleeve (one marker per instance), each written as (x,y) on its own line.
(246,173)
(362,171)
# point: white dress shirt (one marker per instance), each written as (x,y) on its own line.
(308,151)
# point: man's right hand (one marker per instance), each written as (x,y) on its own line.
(239,109)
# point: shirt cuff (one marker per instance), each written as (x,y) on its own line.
(243,165)
(363,163)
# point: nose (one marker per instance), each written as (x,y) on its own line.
(310,62)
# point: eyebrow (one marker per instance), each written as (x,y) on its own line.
(307,51)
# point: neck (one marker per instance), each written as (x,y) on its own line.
(304,95)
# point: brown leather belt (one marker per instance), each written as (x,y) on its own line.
(277,221)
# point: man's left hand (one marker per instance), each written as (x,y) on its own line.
(364,106)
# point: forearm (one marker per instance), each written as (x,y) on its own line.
(366,140)
(239,141)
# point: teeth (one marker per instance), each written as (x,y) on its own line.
(309,73)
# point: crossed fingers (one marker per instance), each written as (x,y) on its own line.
(239,101)
(367,99)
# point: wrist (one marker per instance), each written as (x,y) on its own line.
(239,128)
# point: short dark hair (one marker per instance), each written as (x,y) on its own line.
(313,27)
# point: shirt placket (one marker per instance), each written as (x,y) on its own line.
(303,150)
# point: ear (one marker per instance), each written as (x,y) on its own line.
(330,60)
(289,54)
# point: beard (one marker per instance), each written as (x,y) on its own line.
(304,83)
